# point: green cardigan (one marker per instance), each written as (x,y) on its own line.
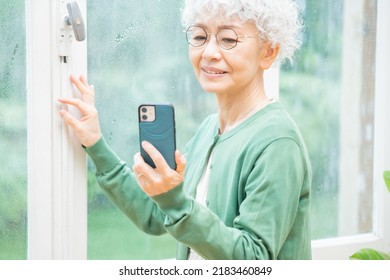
(258,191)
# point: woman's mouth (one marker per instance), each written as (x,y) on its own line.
(213,71)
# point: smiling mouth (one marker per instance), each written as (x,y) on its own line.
(213,71)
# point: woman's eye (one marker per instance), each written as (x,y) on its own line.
(199,38)
(229,40)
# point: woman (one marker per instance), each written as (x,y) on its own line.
(243,189)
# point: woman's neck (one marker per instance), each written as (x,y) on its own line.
(237,107)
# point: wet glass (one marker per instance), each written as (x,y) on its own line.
(329,90)
(139,55)
(13,131)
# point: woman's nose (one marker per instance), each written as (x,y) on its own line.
(212,50)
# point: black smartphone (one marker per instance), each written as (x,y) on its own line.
(157,126)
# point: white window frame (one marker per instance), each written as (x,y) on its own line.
(57,192)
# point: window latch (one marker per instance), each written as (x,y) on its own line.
(75,19)
(70,19)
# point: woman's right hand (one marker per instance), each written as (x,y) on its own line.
(87,129)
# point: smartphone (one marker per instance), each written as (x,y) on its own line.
(157,126)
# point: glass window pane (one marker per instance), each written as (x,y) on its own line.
(138,55)
(330,93)
(13,131)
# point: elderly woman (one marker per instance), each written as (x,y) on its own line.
(242,190)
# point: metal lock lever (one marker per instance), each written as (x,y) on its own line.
(75,19)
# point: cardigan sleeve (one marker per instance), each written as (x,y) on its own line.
(117,180)
(265,218)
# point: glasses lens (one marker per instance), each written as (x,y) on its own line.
(196,36)
(227,38)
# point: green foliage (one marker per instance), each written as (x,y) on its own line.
(386,177)
(369,254)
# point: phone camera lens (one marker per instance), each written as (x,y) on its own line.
(144,110)
(144,117)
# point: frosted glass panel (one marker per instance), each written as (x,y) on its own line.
(13,131)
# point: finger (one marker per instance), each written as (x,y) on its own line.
(140,166)
(142,172)
(141,181)
(82,106)
(84,80)
(156,156)
(180,162)
(138,161)
(69,119)
(80,86)
(88,96)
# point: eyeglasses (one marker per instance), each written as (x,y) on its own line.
(226,38)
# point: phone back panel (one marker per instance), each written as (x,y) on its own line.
(160,133)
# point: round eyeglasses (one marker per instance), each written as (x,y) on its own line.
(226,38)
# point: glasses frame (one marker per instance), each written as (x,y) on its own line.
(216,37)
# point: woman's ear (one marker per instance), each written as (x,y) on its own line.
(268,55)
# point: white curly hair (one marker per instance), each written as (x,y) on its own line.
(278,21)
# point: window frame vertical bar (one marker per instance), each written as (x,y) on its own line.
(57,180)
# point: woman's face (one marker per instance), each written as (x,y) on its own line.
(229,71)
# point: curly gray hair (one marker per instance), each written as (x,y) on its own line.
(278,21)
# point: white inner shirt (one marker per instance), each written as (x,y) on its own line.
(201,196)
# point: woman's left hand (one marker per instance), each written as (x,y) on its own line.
(159,180)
